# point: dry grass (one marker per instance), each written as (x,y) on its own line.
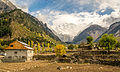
(45,66)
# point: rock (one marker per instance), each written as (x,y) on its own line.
(100,67)
(59,67)
(68,67)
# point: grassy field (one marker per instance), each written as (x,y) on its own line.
(45,66)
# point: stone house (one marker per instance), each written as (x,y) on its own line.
(18,51)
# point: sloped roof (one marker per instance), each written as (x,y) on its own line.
(18,45)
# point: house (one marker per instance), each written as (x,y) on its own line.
(18,51)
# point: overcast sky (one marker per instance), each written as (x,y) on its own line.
(72,16)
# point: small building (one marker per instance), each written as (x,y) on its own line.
(18,51)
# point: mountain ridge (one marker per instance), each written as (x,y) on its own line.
(113,29)
(22,25)
(93,30)
(6,6)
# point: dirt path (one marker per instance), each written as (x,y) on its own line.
(44,66)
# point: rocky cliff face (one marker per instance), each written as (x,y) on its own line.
(94,30)
(6,6)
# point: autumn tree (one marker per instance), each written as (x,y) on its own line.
(35,50)
(43,47)
(48,47)
(60,50)
(108,41)
(1,42)
(29,43)
(38,47)
(32,44)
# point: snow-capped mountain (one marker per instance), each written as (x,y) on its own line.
(66,32)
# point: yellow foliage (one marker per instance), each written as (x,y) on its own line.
(29,43)
(38,47)
(60,50)
(43,47)
(32,44)
(6,20)
(35,50)
(1,40)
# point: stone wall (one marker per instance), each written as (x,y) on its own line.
(97,57)
(86,56)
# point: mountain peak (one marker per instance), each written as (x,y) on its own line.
(6,6)
(94,30)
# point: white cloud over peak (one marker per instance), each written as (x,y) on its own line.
(72,23)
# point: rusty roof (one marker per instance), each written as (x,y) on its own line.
(18,45)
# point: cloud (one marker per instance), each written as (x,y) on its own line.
(114,4)
(23,4)
(72,23)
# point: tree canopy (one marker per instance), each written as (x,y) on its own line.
(71,46)
(108,41)
(89,39)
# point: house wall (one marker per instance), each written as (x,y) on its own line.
(29,55)
(16,56)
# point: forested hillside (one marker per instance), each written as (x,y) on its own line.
(19,25)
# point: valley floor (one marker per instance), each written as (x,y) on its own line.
(44,66)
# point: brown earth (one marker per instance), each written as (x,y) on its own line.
(45,66)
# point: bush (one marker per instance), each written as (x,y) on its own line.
(89,39)
(71,46)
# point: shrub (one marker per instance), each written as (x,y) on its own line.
(89,39)
(71,46)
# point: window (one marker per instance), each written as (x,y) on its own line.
(9,57)
(11,45)
(24,57)
(15,52)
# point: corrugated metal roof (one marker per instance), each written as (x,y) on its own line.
(25,45)
(28,47)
